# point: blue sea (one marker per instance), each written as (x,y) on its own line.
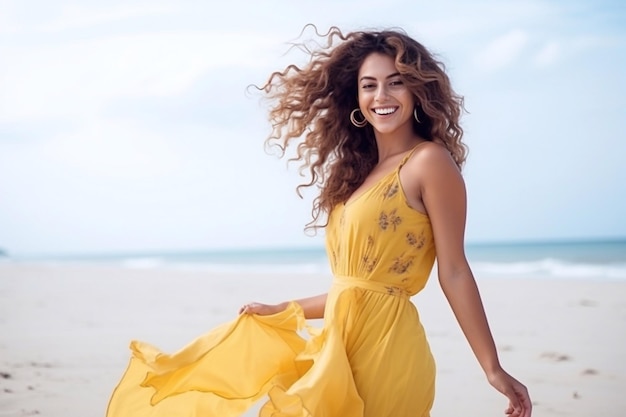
(596,260)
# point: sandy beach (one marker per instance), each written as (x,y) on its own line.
(65,330)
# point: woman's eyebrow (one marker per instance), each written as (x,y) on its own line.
(367,77)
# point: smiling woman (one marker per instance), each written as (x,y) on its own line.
(380,133)
(384,100)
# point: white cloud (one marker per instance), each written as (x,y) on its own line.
(548,55)
(502,51)
(72,16)
(588,41)
(78,78)
(448,27)
(554,51)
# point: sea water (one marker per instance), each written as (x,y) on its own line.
(570,259)
(567,259)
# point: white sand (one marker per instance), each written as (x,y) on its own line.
(64,333)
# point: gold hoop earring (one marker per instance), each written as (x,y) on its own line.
(357,123)
(415,115)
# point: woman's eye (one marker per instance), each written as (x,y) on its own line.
(396,82)
(367,86)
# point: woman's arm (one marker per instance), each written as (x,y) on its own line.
(442,192)
(313,307)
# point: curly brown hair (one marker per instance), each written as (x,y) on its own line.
(311,105)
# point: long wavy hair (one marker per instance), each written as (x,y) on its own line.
(311,106)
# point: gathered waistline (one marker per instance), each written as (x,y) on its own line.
(376,286)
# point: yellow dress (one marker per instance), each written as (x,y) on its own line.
(371,358)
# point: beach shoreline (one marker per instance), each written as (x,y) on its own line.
(65,330)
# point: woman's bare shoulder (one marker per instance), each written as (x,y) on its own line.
(431,155)
(430,169)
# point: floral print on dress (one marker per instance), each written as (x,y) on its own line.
(401,264)
(390,190)
(368,261)
(391,219)
(416,241)
(396,291)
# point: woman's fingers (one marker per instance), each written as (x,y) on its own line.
(247,309)
(519,401)
(517,394)
(258,308)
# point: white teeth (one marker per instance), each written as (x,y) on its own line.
(387,110)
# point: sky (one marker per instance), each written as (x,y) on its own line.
(128,125)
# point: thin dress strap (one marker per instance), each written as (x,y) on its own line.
(410,153)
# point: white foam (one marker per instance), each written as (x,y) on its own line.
(550,267)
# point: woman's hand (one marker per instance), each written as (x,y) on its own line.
(262,309)
(519,400)
(312,307)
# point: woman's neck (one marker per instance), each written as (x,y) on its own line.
(394,144)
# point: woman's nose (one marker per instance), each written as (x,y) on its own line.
(381,93)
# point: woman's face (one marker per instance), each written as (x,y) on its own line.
(384,100)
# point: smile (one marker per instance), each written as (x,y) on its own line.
(385,110)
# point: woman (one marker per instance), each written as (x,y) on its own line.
(380,133)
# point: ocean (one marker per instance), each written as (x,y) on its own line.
(556,260)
